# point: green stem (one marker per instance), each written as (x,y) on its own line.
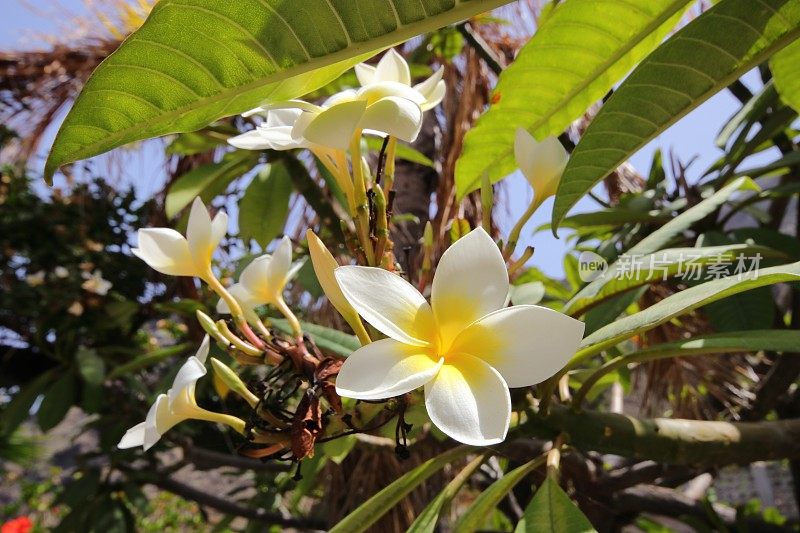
(361,212)
(513,237)
(280,305)
(238,343)
(234,307)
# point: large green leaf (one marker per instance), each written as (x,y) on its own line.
(721,343)
(329,339)
(195,61)
(570,63)
(680,303)
(553,511)
(483,505)
(427,519)
(701,59)
(785,67)
(370,511)
(265,205)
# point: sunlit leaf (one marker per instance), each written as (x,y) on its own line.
(570,63)
(195,61)
(694,64)
(553,511)
(785,66)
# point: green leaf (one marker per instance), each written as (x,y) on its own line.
(90,366)
(680,303)
(195,61)
(18,409)
(337,449)
(483,505)
(208,181)
(329,339)
(265,205)
(426,520)
(528,293)
(721,343)
(615,216)
(149,359)
(569,64)
(197,142)
(694,64)
(635,270)
(785,66)
(57,401)
(373,509)
(553,511)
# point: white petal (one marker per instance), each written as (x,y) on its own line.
(219,227)
(346,95)
(202,351)
(471,281)
(542,162)
(246,299)
(526,343)
(192,370)
(392,67)
(133,438)
(469,401)
(432,89)
(524,150)
(254,276)
(394,116)
(278,270)
(159,410)
(389,303)
(198,230)
(384,369)
(251,140)
(365,74)
(166,251)
(376,91)
(335,126)
(282,117)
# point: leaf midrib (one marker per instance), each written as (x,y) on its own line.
(350,52)
(604,67)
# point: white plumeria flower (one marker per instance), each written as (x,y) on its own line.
(95,283)
(263,281)
(169,252)
(61,272)
(177,405)
(542,163)
(393,68)
(466,348)
(273,134)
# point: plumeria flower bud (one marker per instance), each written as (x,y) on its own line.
(233,382)
(263,281)
(393,68)
(324,266)
(542,163)
(169,252)
(465,347)
(177,405)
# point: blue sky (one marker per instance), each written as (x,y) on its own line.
(23,21)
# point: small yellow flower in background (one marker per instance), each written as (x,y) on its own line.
(75,309)
(393,68)
(61,272)
(465,347)
(177,405)
(95,283)
(263,281)
(35,279)
(169,252)
(324,266)
(542,163)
